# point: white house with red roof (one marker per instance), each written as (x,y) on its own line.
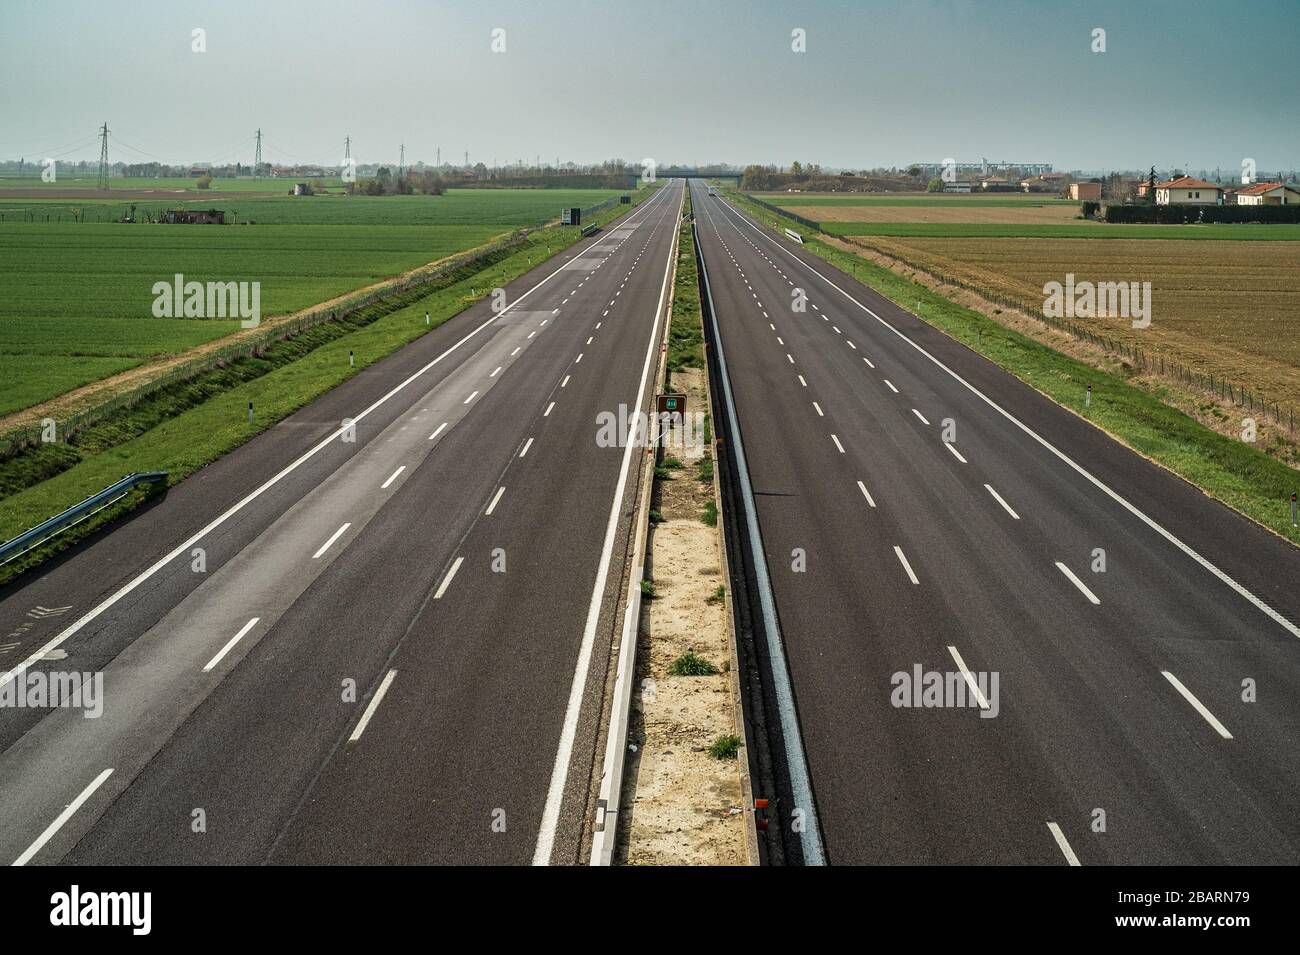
(1188,191)
(1268,194)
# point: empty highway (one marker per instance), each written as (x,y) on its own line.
(379,631)
(919,507)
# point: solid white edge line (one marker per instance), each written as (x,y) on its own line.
(1197,704)
(230,512)
(496,497)
(374,705)
(333,537)
(391,478)
(1123,502)
(446,581)
(1062,844)
(980,698)
(902,559)
(564,753)
(63,817)
(230,645)
(1083,588)
(998,497)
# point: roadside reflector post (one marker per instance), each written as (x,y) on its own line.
(760,815)
(1293,515)
(250,412)
(426,318)
(1087,401)
(352,359)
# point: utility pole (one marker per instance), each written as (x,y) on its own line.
(103,156)
(439,157)
(401,159)
(347,149)
(467,159)
(257,157)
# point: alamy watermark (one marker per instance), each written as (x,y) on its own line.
(1098,300)
(41,690)
(182,299)
(675,430)
(952,689)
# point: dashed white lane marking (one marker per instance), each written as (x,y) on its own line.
(62,818)
(333,537)
(516,351)
(820,413)
(851,345)
(970,679)
(391,478)
(789,356)
(1083,588)
(1062,844)
(865,493)
(868,361)
(527,444)
(780,340)
(497,372)
(998,497)
(955,453)
(495,497)
(565,381)
(891,386)
(802,382)
(1199,706)
(446,581)
(472,396)
(919,415)
(542,323)
(547,412)
(438,431)
(578,360)
(230,644)
(837,443)
(532,333)
(902,559)
(590,340)
(374,705)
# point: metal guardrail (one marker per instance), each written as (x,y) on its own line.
(76,514)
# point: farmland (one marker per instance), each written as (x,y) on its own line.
(79,300)
(1000,216)
(1221,306)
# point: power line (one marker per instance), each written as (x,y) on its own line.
(103,157)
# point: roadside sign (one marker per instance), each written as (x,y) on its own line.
(672,405)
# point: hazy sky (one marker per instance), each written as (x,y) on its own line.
(881,83)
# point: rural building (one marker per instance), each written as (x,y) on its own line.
(961,185)
(1188,191)
(193,217)
(1085,191)
(1268,194)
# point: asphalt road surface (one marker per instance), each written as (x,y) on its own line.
(919,507)
(378,642)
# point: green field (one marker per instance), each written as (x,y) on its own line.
(1088,230)
(504,207)
(78,301)
(69,181)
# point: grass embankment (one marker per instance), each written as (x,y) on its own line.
(686,332)
(184,427)
(1230,470)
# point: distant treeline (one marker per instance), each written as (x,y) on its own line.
(811,179)
(588,181)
